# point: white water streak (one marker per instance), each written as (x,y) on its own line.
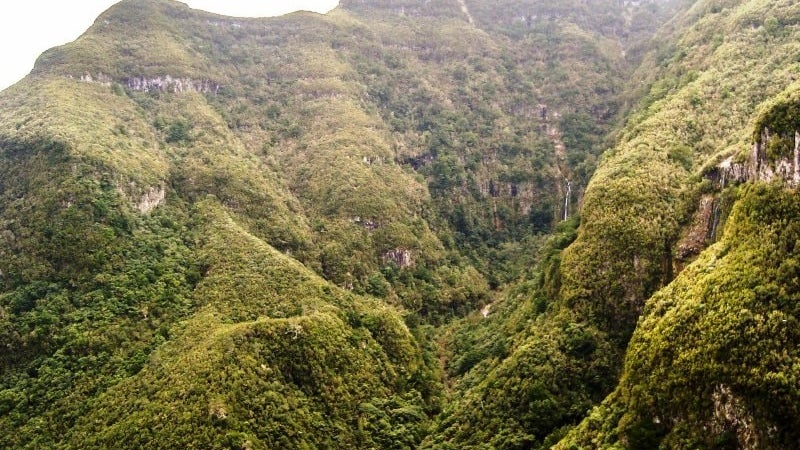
(465,10)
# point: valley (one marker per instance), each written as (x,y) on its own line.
(406,224)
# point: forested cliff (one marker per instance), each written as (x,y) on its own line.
(406,224)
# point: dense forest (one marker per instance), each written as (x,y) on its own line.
(406,224)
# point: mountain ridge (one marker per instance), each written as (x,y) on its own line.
(261,233)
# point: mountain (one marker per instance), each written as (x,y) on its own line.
(405,224)
(712,362)
(686,243)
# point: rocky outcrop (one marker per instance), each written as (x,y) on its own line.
(762,164)
(403,258)
(144,199)
(99,78)
(767,167)
(164,83)
(153,197)
(550,121)
(700,233)
(466,12)
(174,85)
(374,160)
(731,415)
(367,223)
(523,193)
(456,9)
(728,172)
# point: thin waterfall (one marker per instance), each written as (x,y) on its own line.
(796,177)
(715,217)
(566,200)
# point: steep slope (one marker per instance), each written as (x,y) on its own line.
(659,197)
(701,105)
(505,126)
(170,179)
(193,209)
(294,109)
(277,358)
(712,361)
(107,257)
(105,251)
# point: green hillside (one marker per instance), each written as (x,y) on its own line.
(405,224)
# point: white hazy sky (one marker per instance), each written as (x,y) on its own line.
(29,27)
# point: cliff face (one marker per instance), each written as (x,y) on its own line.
(451,9)
(772,158)
(708,364)
(712,360)
(775,154)
(683,262)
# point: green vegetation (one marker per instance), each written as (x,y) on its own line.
(697,374)
(713,361)
(528,371)
(347,231)
(636,212)
(276,358)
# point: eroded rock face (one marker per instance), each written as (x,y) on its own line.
(153,197)
(403,258)
(169,84)
(760,166)
(731,414)
(97,78)
(164,83)
(702,230)
(728,172)
(787,167)
(143,199)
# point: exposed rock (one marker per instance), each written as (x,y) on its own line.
(150,199)
(730,414)
(701,231)
(403,258)
(224,24)
(369,224)
(169,84)
(728,171)
(759,166)
(786,168)
(99,78)
(162,84)
(374,160)
(466,12)
(523,193)
(419,161)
